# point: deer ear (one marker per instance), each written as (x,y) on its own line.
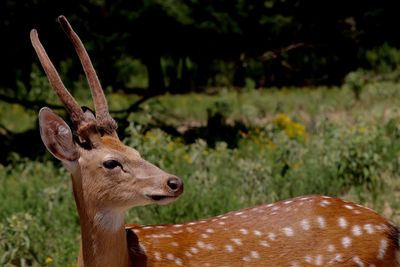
(57,136)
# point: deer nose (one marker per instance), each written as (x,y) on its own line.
(175,184)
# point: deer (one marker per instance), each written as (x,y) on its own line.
(108,178)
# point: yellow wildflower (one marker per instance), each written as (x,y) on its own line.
(282,120)
(188,158)
(48,260)
(296,165)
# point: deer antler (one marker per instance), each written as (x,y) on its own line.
(77,115)
(104,120)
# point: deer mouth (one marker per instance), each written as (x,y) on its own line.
(162,199)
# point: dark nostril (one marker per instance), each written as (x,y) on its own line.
(174,183)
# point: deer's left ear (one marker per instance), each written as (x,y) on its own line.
(57,136)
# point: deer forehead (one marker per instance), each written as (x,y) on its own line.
(109,148)
(114,145)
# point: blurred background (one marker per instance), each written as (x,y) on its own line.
(249,101)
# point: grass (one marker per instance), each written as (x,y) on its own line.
(295,142)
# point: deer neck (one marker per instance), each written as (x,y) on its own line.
(103,238)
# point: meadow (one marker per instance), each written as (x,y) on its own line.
(233,148)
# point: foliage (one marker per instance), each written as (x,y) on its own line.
(383,59)
(295,142)
(356,80)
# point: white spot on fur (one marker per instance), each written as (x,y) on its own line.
(194,250)
(188,254)
(264,243)
(346,242)
(369,228)
(331,248)
(305,224)
(157,256)
(272,236)
(356,230)
(246,258)
(348,207)
(229,248)
(170,256)
(308,259)
(254,254)
(358,261)
(210,231)
(321,222)
(382,249)
(244,231)
(257,233)
(338,258)
(204,235)
(237,241)
(324,203)
(319,260)
(288,231)
(201,244)
(175,244)
(209,247)
(178,261)
(342,222)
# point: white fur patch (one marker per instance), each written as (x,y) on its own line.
(108,219)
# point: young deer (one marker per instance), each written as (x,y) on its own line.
(108,178)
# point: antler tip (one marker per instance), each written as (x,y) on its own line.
(33,33)
(64,23)
(61,18)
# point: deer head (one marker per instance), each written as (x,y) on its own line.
(106,174)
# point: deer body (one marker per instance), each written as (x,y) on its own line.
(304,231)
(108,178)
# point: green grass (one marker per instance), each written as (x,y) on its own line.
(299,141)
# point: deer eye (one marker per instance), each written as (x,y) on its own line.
(111,164)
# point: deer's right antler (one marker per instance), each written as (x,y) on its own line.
(104,120)
(73,108)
